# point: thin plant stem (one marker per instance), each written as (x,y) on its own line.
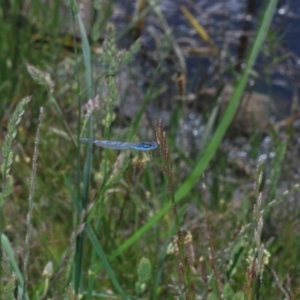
(30,202)
(184,259)
(211,254)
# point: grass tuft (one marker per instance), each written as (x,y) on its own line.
(184,262)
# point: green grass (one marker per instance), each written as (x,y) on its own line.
(108,224)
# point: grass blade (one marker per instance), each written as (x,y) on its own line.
(232,106)
(106,264)
(13,264)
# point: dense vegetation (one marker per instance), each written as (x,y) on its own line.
(178,222)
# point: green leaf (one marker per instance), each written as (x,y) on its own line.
(228,292)
(144,270)
(100,252)
(140,287)
(238,296)
(6,246)
(212,296)
(9,289)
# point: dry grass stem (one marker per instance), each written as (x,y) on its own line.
(30,201)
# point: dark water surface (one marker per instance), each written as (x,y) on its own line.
(231,26)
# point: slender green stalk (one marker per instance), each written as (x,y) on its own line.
(105,261)
(78,259)
(232,106)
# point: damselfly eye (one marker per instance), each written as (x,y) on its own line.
(146,145)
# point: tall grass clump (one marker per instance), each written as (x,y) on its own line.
(7,189)
(111,61)
(258,256)
(184,264)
